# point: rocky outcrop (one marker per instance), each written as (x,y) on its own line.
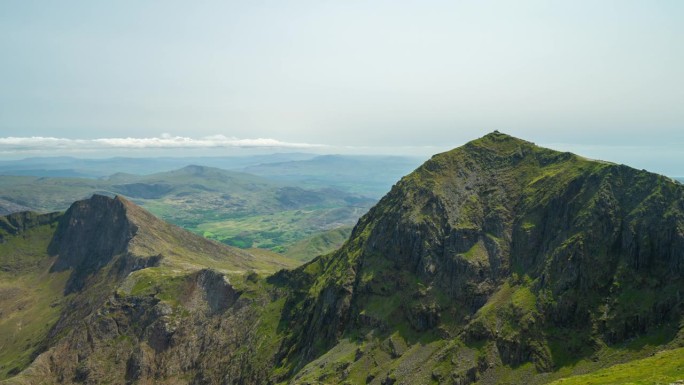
(89,235)
(140,340)
(212,289)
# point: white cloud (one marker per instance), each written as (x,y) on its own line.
(38,143)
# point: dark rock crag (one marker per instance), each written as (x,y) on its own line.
(89,235)
(573,247)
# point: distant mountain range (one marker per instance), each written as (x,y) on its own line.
(95,168)
(366,175)
(240,209)
(298,195)
(499,262)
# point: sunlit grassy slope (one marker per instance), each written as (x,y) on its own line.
(182,249)
(322,243)
(665,367)
(499,262)
(30,297)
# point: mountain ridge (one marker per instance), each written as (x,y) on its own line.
(435,230)
(102,262)
(496,262)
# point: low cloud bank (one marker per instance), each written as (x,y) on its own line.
(38,143)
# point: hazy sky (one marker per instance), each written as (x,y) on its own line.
(603,78)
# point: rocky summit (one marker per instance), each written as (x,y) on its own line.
(499,262)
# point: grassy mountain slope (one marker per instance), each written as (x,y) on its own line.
(662,368)
(499,262)
(30,297)
(58,272)
(319,244)
(496,262)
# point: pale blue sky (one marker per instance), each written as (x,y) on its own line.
(355,76)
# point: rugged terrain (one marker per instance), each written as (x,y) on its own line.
(60,274)
(497,262)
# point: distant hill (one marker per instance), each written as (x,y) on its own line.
(368,175)
(314,193)
(96,168)
(232,207)
(360,174)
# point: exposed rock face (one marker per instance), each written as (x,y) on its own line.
(89,235)
(486,258)
(172,323)
(566,244)
(216,291)
(140,340)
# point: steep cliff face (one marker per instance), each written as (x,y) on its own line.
(99,231)
(533,255)
(133,299)
(206,334)
(90,234)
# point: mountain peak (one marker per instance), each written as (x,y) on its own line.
(498,135)
(498,141)
(499,230)
(89,235)
(95,231)
(194,169)
(495,152)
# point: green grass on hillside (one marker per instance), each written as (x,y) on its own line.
(319,244)
(30,297)
(664,368)
(280,231)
